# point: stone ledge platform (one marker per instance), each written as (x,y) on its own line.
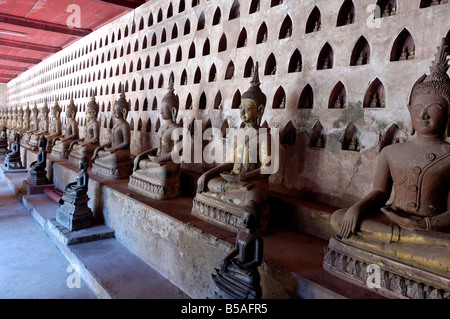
(161,238)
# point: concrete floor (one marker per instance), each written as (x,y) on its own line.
(31,266)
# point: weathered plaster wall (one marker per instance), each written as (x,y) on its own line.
(3,95)
(329,174)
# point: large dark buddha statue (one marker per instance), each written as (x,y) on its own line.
(403,223)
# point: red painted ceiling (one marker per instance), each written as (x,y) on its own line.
(33,30)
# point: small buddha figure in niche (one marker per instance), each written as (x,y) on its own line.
(232,185)
(404,54)
(238,275)
(155,174)
(33,127)
(43,126)
(114,159)
(317,26)
(62,143)
(84,148)
(55,127)
(37,169)
(406,216)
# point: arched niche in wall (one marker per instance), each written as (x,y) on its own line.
(187,27)
(156,63)
(326,58)
(346,14)
(149,23)
(317,138)
(262,34)
(206,47)
(360,52)
(161,81)
(188,104)
(314,22)
(375,96)
(155,104)
(229,73)
(338,97)
(212,73)
(279,99)
(248,69)
(235,10)
(224,128)
(181,6)
(271,65)
(169,11)
(157,125)
(202,102)
(236,100)
(286,28)
(197,75)
(148,126)
(306,100)
(179,55)
(404,47)
(151,83)
(160,15)
(201,22)
(163,35)
(145,105)
(289,134)
(242,38)
(274,3)
(222,43)
(174,33)
(295,63)
(191,51)
(167,57)
(183,78)
(141,24)
(387,7)
(254,6)
(350,140)
(217,16)
(154,39)
(218,101)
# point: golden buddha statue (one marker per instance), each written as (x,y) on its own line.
(155,174)
(224,191)
(403,223)
(84,148)
(113,160)
(61,144)
(25,120)
(55,127)
(33,126)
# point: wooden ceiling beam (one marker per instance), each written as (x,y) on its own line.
(29,46)
(127,3)
(19,59)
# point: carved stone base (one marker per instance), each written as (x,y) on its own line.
(154,188)
(217,212)
(75,158)
(37,178)
(119,171)
(35,189)
(73,213)
(59,153)
(236,289)
(397,280)
(12,164)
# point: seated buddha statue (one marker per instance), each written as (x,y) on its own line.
(25,120)
(43,127)
(238,275)
(113,160)
(226,189)
(406,217)
(37,169)
(61,144)
(84,148)
(3,140)
(13,159)
(33,126)
(12,123)
(155,174)
(55,127)
(19,120)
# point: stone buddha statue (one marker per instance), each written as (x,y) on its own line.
(33,126)
(37,169)
(73,211)
(113,160)
(43,126)
(61,144)
(84,148)
(238,275)
(12,124)
(19,120)
(225,190)
(13,159)
(55,127)
(155,174)
(25,120)
(405,219)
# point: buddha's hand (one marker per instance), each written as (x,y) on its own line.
(408,222)
(349,222)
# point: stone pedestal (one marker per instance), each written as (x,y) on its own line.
(396,279)
(73,212)
(155,188)
(11,164)
(58,152)
(120,170)
(31,189)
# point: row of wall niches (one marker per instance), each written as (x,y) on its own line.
(404,47)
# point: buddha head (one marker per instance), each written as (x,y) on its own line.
(44,111)
(430,98)
(56,110)
(92,108)
(42,143)
(251,217)
(121,106)
(71,110)
(253,102)
(34,112)
(170,104)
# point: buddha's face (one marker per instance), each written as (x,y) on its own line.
(429,114)
(166,111)
(249,112)
(70,113)
(118,114)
